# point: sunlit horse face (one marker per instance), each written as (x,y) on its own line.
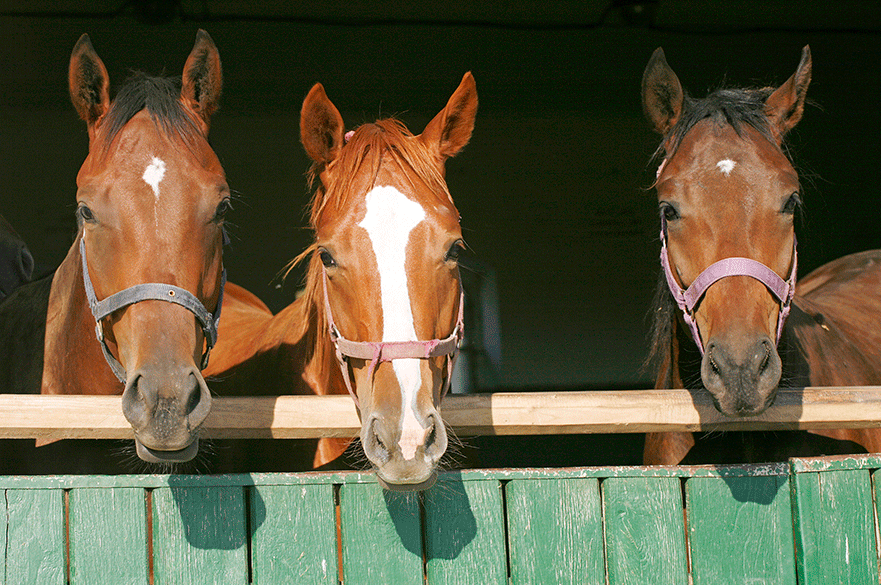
(727,193)
(151,198)
(388,236)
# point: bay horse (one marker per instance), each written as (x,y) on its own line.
(145,270)
(381,315)
(729,318)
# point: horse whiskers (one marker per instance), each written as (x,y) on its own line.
(356,458)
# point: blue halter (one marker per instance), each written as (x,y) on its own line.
(150,292)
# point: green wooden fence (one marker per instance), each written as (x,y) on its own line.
(812,521)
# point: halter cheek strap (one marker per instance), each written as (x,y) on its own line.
(687,300)
(154,292)
(383,351)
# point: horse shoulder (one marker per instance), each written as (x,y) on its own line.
(845,291)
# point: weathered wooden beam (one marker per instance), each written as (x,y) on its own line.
(533,413)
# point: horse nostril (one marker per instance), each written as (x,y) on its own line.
(766,359)
(195,395)
(432,436)
(374,446)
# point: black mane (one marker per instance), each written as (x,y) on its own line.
(735,107)
(160,97)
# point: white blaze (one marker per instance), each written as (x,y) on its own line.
(725,166)
(390,218)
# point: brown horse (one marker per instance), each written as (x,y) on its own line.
(381,312)
(147,259)
(727,194)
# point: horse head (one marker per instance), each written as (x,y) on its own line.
(151,199)
(386,273)
(727,195)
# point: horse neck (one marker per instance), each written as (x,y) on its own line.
(73,362)
(817,350)
(300,355)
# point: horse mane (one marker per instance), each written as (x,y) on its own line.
(160,96)
(366,149)
(736,107)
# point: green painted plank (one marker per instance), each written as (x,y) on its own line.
(35,537)
(835,529)
(3,525)
(381,536)
(555,531)
(835,463)
(740,531)
(199,535)
(465,532)
(310,478)
(294,534)
(645,531)
(108,535)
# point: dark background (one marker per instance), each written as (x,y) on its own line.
(552,188)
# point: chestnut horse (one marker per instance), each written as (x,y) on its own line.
(729,318)
(381,316)
(145,269)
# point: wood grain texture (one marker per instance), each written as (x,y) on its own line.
(35,537)
(619,411)
(465,533)
(199,536)
(294,535)
(108,535)
(555,532)
(381,536)
(835,537)
(645,531)
(740,531)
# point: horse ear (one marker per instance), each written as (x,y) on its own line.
(88,82)
(451,129)
(785,106)
(202,80)
(321,126)
(662,95)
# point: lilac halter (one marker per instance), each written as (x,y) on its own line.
(688,299)
(384,351)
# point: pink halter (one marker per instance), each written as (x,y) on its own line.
(688,299)
(384,351)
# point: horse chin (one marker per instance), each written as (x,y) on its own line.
(157,456)
(739,408)
(408,487)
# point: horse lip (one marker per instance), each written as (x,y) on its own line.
(408,487)
(156,456)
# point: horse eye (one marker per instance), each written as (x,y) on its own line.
(326,258)
(222,208)
(454,251)
(83,213)
(791,204)
(668,211)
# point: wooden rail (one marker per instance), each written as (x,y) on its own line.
(533,413)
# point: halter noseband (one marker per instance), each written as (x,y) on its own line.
(384,351)
(150,292)
(688,299)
